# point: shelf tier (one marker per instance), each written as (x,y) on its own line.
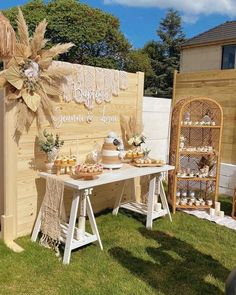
(196,179)
(193,207)
(198,126)
(197,153)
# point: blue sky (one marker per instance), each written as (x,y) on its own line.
(140,18)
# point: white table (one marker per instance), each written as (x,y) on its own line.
(75,237)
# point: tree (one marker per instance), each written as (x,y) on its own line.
(137,60)
(96,34)
(165,55)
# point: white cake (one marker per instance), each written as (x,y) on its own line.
(110,155)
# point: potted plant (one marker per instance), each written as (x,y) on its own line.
(51,146)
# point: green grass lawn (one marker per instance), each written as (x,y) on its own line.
(189,256)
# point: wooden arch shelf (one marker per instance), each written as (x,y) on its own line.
(196,136)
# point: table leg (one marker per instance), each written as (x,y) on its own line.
(150,203)
(82,217)
(93,221)
(163,197)
(71,228)
(37,226)
(119,199)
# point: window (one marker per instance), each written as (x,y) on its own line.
(228,57)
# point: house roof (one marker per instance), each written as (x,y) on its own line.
(221,33)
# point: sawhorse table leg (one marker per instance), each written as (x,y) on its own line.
(71,228)
(148,210)
(75,237)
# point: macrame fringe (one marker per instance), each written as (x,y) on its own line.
(47,242)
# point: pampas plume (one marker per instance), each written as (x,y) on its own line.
(129,127)
(57,50)
(38,41)
(23,32)
(59,71)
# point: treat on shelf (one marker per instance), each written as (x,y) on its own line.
(198,123)
(188,198)
(209,202)
(65,164)
(88,171)
(182,142)
(200,149)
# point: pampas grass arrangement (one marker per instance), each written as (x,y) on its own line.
(129,127)
(30,77)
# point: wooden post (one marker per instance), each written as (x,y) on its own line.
(174,87)
(139,116)
(1,153)
(8,220)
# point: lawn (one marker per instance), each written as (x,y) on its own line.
(189,256)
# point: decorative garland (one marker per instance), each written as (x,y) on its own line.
(29,78)
(92,85)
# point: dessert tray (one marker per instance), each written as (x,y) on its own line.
(88,171)
(87,175)
(148,163)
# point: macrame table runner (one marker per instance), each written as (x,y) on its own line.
(225,221)
(51,213)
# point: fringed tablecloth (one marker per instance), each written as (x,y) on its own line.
(51,213)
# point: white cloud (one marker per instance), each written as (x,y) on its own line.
(191,9)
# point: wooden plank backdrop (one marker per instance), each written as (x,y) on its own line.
(80,138)
(221,86)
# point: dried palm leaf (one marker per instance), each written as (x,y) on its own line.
(38,41)
(32,99)
(13,76)
(13,95)
(15,60)
(23,32)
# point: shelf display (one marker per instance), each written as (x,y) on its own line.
(196,133)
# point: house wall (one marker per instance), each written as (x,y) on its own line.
(201,58)
(227,179)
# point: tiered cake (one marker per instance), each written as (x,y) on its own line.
(110,153)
